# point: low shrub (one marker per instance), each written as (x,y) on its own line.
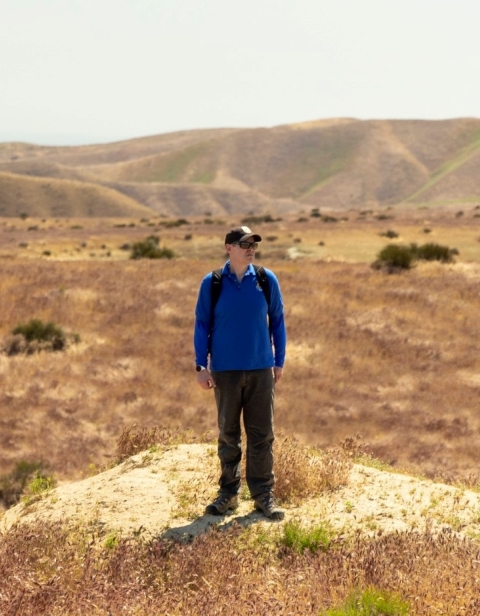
(432,252)
(170,224)
(394,257)
(149,249)
(390,234)
(14,484)
(36,336)
(256,220)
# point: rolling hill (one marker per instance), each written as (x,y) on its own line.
(335,164)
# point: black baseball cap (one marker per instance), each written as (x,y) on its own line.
(241,234)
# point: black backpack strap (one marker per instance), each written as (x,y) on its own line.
(263,282)
(216,288)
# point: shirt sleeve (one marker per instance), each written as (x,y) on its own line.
(276,318)
(203,312)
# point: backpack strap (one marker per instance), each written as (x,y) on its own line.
(216,288)
(263,282)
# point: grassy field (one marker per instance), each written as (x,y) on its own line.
(392,357)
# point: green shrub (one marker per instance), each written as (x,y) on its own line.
(14,484)
(170,224)
(329,219)
(394,257)
(256,220)
(371,602)
(38,486)
(41,332)
(432,252)
(36,336)
(150,249)
(390,234)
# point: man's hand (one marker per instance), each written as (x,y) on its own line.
(277,373)
(205,379)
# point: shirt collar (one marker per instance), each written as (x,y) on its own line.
(226,269)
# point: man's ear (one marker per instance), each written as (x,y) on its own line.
(228,248)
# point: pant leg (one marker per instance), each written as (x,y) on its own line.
(228,396)
(258,409)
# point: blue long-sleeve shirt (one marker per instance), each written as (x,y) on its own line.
(239,338)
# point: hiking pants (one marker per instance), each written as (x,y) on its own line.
(253,392)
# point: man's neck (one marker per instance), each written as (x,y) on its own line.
(238,270)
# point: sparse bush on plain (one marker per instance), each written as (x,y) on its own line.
(170,224)
(257,220)
(35,336)
(149,248)
(390,234)
(432,252)
(394,257)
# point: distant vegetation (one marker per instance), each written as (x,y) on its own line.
(150,249)
(394,256)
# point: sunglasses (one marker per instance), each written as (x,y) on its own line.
(247,245)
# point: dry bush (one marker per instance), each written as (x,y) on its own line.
(303,472)
(134,439)
(47,569)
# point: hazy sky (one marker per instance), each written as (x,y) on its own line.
(89,71)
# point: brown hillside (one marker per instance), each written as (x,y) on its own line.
(53,197)
(333,164)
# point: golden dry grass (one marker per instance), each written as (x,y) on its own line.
(50,569)
(391,357)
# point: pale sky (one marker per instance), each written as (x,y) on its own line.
(91,71)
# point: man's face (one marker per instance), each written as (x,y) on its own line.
(241,256)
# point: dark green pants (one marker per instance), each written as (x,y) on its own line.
(251,393)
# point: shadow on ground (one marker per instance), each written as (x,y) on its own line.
(205,523)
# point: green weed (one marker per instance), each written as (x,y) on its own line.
(300,538)
(371,602)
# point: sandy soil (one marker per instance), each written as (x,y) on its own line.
(164,493)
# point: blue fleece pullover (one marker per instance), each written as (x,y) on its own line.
(240,338)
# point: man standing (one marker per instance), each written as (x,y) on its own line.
(235,326)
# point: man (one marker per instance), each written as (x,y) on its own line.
(236,334)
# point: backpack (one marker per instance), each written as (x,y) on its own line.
(217,285)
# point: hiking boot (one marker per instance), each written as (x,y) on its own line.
(222,504)
(267,504)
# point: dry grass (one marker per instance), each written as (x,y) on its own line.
(302,472)
(49,569)
(391,357)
